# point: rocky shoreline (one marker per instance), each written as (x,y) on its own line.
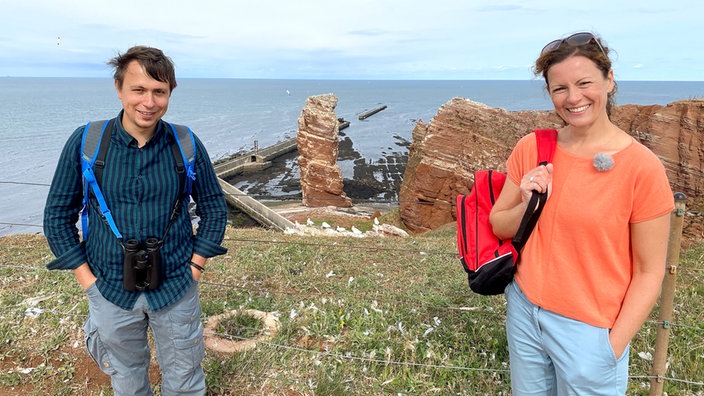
(423,177)
(373,180)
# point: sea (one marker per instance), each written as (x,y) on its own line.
(234,115)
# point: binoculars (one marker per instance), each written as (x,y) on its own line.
(142,264)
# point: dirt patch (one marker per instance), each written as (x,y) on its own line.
(85,372)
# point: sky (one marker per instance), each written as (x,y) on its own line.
(348,39)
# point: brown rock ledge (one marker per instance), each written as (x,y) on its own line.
(465,136)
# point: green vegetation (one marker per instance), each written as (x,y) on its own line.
(240,326)
(359,316)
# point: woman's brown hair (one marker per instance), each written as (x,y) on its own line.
(595,50)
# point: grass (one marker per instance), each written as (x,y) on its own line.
(240,325)
(359,316)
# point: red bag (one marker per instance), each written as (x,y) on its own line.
(489,261)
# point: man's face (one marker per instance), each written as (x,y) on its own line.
(144,100)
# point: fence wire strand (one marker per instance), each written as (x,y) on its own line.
(346,245)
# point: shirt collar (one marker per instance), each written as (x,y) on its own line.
(128,140)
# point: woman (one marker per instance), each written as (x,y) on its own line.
(591,271)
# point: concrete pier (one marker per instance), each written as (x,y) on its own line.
(255,160)
(255,209)
(371,112)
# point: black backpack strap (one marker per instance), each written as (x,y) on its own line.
(547,143)
(180,167)
(183,147)
(99,164)
(183,150)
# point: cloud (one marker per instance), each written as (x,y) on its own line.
(360,39)
(501,8)
(368,32)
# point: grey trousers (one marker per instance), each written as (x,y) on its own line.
(117,341)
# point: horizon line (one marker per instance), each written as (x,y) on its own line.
(537,79)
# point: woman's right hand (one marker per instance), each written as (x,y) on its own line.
(538,179)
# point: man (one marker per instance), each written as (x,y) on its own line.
(141,188)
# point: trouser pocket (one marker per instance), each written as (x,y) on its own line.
(96,349)
(189,352)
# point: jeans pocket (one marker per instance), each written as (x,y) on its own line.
(609,349)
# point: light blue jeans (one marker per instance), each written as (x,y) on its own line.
(117,341)
(554,355)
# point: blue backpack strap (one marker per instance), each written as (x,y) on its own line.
(95,135)
(187,147)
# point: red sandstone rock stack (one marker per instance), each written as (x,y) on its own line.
(317,139)
(466,136)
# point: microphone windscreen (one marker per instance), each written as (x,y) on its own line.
(603,162)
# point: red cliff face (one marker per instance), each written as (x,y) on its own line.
(466,136)
(317,139)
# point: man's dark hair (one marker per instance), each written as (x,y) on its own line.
(157,65)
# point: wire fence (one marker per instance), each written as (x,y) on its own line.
(346,357)
(338,245)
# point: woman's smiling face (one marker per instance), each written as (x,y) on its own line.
(579,91)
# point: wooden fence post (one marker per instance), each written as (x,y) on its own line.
(667,296)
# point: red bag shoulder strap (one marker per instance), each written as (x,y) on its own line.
(547,141)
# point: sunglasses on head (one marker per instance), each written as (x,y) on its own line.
(575,40)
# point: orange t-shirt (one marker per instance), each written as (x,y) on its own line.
(578,260)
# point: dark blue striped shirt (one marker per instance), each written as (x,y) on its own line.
(140,186)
